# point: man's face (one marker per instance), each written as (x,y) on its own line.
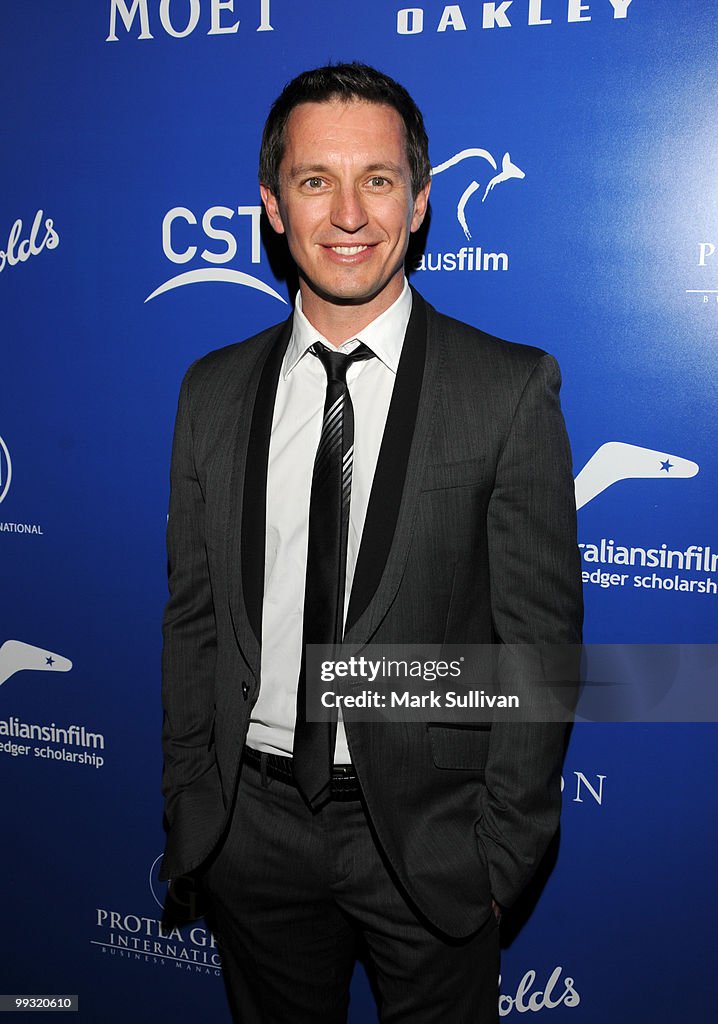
(346,205)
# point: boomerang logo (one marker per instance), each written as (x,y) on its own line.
(5,470)
(508,170)
(16,656)
(617,460)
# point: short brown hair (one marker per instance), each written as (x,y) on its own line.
(347,82)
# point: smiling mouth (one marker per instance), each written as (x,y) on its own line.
(348,250)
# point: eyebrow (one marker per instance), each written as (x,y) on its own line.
(307,168)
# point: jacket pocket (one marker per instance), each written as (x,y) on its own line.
(465,473)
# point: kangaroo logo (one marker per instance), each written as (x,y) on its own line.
(617,460)
(15,656)
(508,170)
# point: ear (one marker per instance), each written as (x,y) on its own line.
(271,205)
(420,205)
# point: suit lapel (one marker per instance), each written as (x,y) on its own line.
(248,498)
(395,491)
(397,480)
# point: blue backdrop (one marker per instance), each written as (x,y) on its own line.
(573,207)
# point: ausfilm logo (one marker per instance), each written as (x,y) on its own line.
(471,258)
(180,18)
(411,21)
(220,230)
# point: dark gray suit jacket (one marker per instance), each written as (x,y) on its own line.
(469,538)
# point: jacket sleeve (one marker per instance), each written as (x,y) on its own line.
(189,627)
(536,599)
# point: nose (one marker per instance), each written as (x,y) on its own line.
(348,211)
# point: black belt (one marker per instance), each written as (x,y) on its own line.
(344,784)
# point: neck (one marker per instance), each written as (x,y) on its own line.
(338,322)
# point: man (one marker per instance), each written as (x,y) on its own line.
(448,518)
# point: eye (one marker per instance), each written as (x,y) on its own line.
(378,181)
(314,182)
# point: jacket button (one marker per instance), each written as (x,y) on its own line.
(245,690)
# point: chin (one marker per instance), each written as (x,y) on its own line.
(356,290)
(347,294)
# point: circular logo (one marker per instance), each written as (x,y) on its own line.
(180,894)
(157,888)
(5,470)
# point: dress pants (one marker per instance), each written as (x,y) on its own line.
(292,895)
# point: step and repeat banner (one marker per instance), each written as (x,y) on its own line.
(574,207)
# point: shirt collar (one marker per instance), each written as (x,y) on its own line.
(384,336)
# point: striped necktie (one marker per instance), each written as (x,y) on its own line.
(313,755)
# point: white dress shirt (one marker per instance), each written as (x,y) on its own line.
(296,428)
